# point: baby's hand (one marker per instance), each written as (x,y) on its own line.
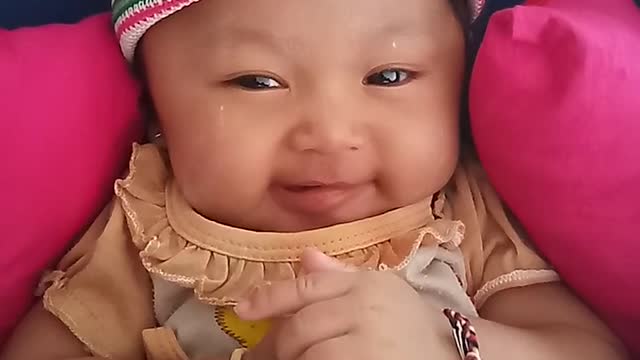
(344,314)
(265,350)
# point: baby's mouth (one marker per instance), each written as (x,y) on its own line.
(317,198)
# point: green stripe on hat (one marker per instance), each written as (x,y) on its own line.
(119,7)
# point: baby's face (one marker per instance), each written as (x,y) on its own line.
(289,115)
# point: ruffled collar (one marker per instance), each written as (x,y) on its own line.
(222,263)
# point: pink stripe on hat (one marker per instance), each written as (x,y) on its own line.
(139,16)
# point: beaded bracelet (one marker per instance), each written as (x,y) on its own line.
(464,335)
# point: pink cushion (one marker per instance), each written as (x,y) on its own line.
(68,108)
(555,107)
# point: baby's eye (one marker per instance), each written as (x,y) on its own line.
(389,77)
(255,82)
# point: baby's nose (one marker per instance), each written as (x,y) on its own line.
(332,129)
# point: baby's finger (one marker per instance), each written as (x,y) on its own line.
(314,260)
(287,297)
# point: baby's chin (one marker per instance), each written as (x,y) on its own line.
(287,223)
(290,211)
(284,220)
(276,218)
(292,224)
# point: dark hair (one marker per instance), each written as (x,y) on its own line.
(463,13)
(462,10)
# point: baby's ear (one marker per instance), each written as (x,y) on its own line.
(313,260)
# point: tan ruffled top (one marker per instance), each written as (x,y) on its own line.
(103,293)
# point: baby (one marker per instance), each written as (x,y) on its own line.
(290,125)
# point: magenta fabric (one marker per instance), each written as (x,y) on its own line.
(555,108)
(68,115)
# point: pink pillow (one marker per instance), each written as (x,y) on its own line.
(68,108)
(555,108)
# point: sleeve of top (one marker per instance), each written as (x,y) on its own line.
(100,290)
(497,255)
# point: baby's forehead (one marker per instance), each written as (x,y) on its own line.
(293,22)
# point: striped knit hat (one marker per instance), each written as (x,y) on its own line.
(132,18)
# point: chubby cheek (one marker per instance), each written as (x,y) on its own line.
(222,166)
(420,162)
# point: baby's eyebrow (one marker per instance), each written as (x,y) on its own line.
(237,36)
(397,29)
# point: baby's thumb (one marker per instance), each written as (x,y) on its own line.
(313,260)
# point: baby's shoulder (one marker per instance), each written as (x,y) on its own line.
(497,253)
(469,193)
